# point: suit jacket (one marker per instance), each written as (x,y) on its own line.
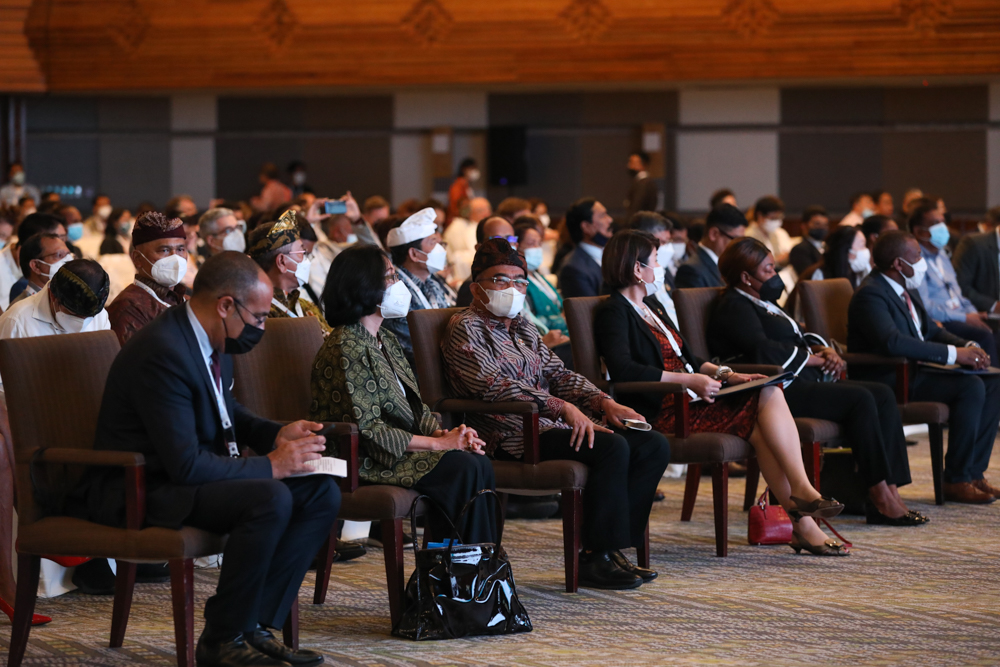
(804,255)
(642,196)
(700,270)
(580,275)
(878,322)
(631,351)
(159,401)
(978,269)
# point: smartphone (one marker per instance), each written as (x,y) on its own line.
(335,207)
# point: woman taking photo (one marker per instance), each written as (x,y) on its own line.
(767,335)
(361,376)
(638,344)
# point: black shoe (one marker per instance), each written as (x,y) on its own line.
(624,563)
(375,536)
(95,577)
(152,573)
(598,570)
(874,517)
(348,551)
(232,652)
(659,496)
(264,641)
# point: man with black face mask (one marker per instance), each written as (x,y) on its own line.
(168,398)
(589,226)
(815,228)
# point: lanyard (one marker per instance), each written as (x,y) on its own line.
(220,404)
(151,292)
(938,265)
(774,310)
(413,288)
(649,317)
(283,308)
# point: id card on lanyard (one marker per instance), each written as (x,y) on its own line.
(227,423)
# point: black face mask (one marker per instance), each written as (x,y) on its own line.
(633,172)
(600,239)
(818,234)
(247,339)
(771,288)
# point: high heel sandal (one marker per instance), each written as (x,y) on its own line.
(36,619)
(874,517)
(828,548)
(821,508)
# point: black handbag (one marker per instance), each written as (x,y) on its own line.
(460,590)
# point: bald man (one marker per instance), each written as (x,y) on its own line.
(460,236)
(490,228)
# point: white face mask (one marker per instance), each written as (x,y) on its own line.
(103,211)
(862,260)
(533,258)
(472,175)
(395,301)
(436,258)
(544,219)
(504,302)
(771,226)
(665,254)
(680,249)
(234,241)
(659,274)
(352,239)
(302,270)
(919,271)
(169,270)
(72,323)
(55,266)
(299,178)
(867,213)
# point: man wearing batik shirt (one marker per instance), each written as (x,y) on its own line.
(493,353)
(159,253)
(277,248)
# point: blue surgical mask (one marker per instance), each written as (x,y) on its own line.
(74,232)
(940,235)
(533,258)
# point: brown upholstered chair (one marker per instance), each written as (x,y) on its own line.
(692,314)
(273,381)
(530,477)
(824,306)
(713,449)
(70,372)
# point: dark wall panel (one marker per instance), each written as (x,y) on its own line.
(134,113)
(827,168)
(553,170)
(334,113)
(950,104)
(260,113)
(238,161)
(844,106)
(359,164)
(61,113)
(583,109)
(135,169)
(946,164)
(603,174)
(53,162)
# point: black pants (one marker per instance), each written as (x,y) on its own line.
(985,338)
(275,529)
(454,480)
(625,468)
(974,403)
(869,415)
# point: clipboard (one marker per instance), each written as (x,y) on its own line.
(955,369)
(781,378)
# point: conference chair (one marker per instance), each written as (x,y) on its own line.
(52,447)
(692,314)
(530,477)
(824,306)
(273,381)
(695,449)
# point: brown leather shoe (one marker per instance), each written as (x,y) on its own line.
(986,487)
(966,492)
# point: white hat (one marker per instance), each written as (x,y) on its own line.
(418,226)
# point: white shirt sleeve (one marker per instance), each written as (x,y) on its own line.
(952,354)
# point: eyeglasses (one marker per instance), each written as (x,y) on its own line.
(512,240)
(391,278)
(240,227)
(504,282)
(728,236)
(258,320)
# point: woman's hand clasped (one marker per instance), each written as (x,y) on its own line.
(461,437)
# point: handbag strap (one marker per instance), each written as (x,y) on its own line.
(763,500)
(413,518)
(834,531)
(498,509)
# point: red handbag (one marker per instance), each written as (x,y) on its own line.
(769,524)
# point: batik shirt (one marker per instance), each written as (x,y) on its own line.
(291,303)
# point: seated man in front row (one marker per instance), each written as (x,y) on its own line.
(168,398)
(886,317)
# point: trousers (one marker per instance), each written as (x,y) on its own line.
(454,480)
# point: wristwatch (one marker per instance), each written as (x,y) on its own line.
(722,373)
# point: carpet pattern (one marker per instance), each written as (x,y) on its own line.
(924,596)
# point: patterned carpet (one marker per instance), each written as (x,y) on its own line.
(922,596)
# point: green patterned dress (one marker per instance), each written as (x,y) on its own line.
(353,380)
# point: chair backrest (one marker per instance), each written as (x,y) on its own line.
(54,386)
(692,316)
(824,307)
(273,379)
(427,329)
(580,321)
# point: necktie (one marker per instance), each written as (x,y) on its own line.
(913,314)
(216,370)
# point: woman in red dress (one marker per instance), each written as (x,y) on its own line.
(639,342)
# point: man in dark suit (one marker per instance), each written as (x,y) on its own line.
(723,224)
(643,194)
(977,263)
(886,317)
(589,226)
(815,227)
(168,398)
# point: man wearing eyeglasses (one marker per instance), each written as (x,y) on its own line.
(220,230)
(723,224)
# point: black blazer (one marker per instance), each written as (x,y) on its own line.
(739,331)
(878,322)
(631,351)
(159,401)
(580,275)
(699,271)
(978,269)
(804,255)
(643,195)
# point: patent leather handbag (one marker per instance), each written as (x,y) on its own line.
(460,590)
(768,524)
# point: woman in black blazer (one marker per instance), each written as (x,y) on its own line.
(746,326)
(638,343)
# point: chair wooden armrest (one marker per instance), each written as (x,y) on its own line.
(528,412)
(346,437)
(682,410)
(902,370)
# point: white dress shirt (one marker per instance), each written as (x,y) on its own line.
(596,252)
(710,253)
(898,289)
(10,273)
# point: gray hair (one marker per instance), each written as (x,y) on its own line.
(207,222)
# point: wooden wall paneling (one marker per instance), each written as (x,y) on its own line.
(20,72)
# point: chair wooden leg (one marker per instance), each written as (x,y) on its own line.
(753,478)
(290,633)
(935,434)
(642,550)
(182,592)
(124,585)
(690,490)
(572,513)
(503,515)
(28,569)
(392,549)
(720,501)
(812,454)
(324,563)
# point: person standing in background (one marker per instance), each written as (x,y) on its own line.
(273,193)
(461,188)
(643,195)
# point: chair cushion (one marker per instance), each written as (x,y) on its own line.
(373,502)
(65,536)
(817,430)
(709,448)
(924,413)
(550,476)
